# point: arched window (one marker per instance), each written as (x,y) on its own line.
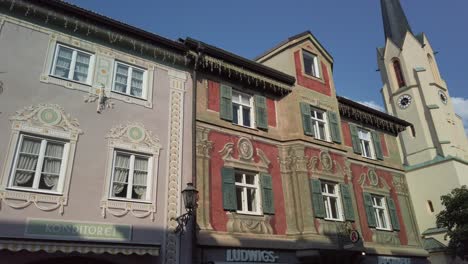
(435,73)
(398,73)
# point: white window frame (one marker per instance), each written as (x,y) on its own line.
(362,141)
(384,208)
(327,196)
(149,176)
(144,87)
(246,186)
(315,121)
(315,68)
(40,163)
(72,64)
(240,113)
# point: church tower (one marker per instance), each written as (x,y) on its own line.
(435,149)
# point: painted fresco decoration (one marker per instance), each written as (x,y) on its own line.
(373,180)
(323,164)
(239,223)
(100,97)
(245,153)
(133,134)
(80,26)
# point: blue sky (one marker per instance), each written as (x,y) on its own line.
(349,30)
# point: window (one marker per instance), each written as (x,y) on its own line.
(332,201)
(319,124)
(131,176)
(39,164)
(367,147)
(129,80)
(70,63)
(398,74)
(242,105)
(247,192)
(381,212)
(310,64)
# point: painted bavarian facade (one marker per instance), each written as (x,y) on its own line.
(290,173)
(94,137)
(435,151)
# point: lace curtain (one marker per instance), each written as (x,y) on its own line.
(52,164)
(27,162)
(81,67)
(62,65)
(121,75)
(120,174)
(139,176)
(137,83)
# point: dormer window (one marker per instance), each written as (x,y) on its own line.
(310,64)
(398,74)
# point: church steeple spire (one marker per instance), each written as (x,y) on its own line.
(394,20)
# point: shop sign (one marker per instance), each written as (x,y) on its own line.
(393,260)
(243,255)
(77,230)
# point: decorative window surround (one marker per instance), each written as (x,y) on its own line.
(132,137)
(372,183)
(245,160)
(46,120)
(103,70)
(329,170)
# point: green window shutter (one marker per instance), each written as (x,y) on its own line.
(393,214)
(267,194)
(369,210)
(355,139)
(334,127)
(225,101)
(347,202)
(306,122)
(229,189)
(317,199)
(261,114)
(377,145)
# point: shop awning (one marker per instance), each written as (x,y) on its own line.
(80,247)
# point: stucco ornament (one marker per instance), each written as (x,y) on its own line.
(50,116)
(132,136)
(372,181)
(249,224)
(245,160)
(99,96)
(326,161)
(373,178)
(328,166)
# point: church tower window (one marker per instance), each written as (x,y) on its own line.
(398,73)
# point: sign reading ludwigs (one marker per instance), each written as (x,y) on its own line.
(247,255)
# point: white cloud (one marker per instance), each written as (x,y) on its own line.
(373,104)
(461,108)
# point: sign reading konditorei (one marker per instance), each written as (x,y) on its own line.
(243,255)
(77,230)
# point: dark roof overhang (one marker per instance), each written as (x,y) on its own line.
(371,117)
(218,60)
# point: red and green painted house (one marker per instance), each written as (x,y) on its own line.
(288,171)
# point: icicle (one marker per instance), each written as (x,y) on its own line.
(211,64)
(76,26)
(229,72)
(174,59)
(12,5)
(154,53)
(66,22)
(164,56)
(27,10)
(134,44)
(89,30)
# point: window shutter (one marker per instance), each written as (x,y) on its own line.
(369,210)
(377,145)
(347,202)
(261,114)
(306,122)
(334,127)
(225,108)
(355,139)
(393,213)
(317,199)
(267,194)
(229,189)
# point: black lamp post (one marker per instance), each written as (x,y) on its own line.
(189,194)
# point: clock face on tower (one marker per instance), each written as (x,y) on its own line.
(443,97)
(404,101)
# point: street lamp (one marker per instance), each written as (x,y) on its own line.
(189,195)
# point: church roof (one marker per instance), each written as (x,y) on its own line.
(394,21)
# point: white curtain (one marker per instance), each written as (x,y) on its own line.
(62,65)
(137,83)
(120,173)
(27,161)
(52,164)
(121,78)
(81,67)
(139,176)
